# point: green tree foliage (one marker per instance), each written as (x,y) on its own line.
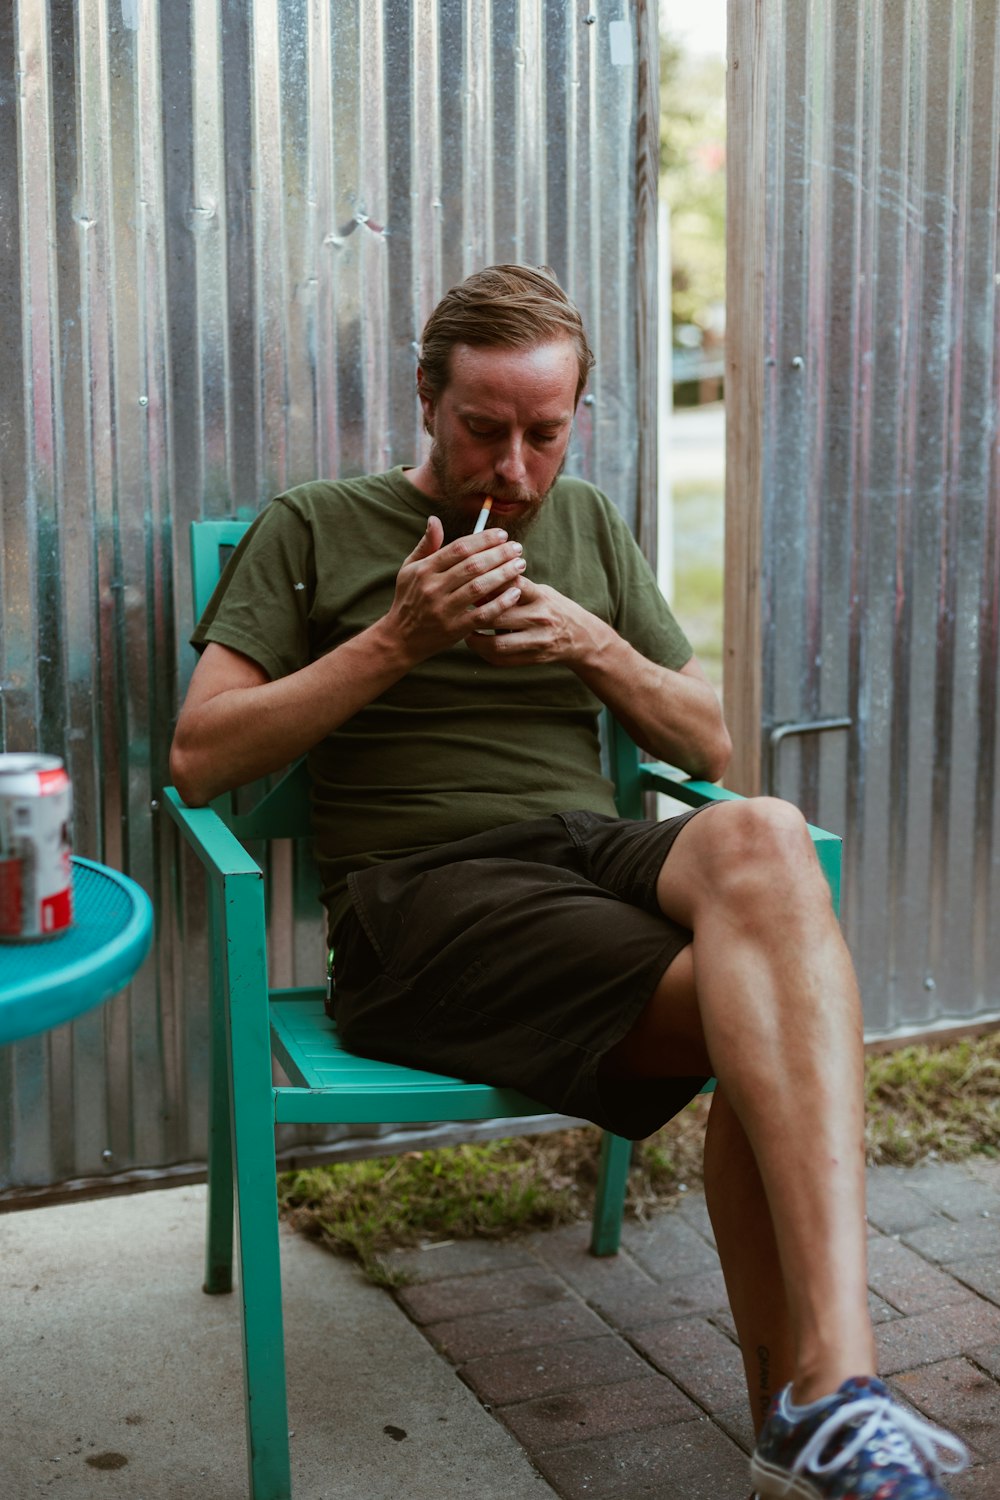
(693,181)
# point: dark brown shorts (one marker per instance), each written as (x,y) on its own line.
(517,958)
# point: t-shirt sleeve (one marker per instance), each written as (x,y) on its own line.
(642,615)
(261,603)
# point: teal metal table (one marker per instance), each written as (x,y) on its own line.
(46,984)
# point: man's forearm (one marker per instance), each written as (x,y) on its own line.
(675,716)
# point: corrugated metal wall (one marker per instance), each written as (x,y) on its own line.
(222,228)
(881,484)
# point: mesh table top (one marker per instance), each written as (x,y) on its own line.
(48,982)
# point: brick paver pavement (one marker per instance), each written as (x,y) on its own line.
(621,1377)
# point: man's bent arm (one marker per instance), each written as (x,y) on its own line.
(237,724)
(673,715)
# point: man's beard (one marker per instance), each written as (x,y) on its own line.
(455,516)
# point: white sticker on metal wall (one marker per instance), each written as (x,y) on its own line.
(620,37)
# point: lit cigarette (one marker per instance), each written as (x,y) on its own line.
(483,516)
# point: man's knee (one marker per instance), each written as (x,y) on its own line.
(758,851)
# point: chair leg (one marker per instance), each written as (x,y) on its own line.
(263,1341)
(219,1228)
(609,1204)
(256,1193)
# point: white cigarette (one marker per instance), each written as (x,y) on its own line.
(483,516)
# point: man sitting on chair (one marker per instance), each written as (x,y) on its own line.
(491,915)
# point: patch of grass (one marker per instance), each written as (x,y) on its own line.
(366,1207)
(699,592)
(943,1101)
(922,1101)
(698,565)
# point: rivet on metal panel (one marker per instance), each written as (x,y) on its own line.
(588,400)
(154,806)
(107,1155)
(798,362)
(589,18)
(929,983)
(143,400)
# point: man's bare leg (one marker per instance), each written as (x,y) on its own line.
(777,1008)
(734,1193)
(744,1234)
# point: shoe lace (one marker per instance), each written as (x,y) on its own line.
(907,1438)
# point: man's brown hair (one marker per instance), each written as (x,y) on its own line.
(506,307)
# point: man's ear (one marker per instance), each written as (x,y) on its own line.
(426,402)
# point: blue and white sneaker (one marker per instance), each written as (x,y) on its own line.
(858,1444)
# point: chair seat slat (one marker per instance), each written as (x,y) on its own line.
(314,1057)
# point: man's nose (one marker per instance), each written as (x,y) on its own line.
(510,465)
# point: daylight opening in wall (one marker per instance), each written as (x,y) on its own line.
(693,291)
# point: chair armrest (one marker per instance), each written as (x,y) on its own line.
(219,850)
(655,776)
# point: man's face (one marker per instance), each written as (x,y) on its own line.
(500,428)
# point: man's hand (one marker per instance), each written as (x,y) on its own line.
(675,715)
(443,593)
(542,626)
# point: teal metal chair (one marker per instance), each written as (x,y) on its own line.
(251,1023)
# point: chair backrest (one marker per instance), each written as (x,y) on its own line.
(281,808)
(212,545)
(282,811)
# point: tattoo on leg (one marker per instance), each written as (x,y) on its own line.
(763,1380)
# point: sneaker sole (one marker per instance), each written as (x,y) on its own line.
(778,1484)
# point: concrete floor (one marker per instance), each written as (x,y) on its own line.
(120,1377)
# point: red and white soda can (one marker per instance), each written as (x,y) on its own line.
(36,881)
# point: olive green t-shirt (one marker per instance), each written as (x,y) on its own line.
(457,746)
